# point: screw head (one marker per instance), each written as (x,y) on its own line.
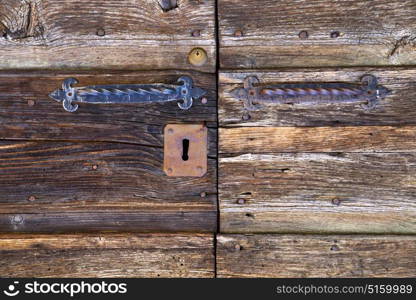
(204,100)
(170,170)
(197,57)
(246,117)
(335,34)
(336,201)
(203,194)
(94,167)
(31,102)
(170,130)
(31,198)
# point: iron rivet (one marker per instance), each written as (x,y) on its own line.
(17,219)
(336,201)
(241,201)
(335,34)
(197,57)
(94,167)
(32,198)
(196,33)
(238,33)
(31,102)
(203,195)
(100,32)
(303,34)
(204,100)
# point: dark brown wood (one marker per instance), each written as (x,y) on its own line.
(272,34)
(318,139)
(64,186)
(27,112)
(109,255)
(318,192)
(315,256)
(116,34)
(399,108)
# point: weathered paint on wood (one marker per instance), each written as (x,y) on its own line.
(315,256)
(318,192)
(399,108)
(109,255)
(64,186)
(272,34)
(318,139)
(117,34)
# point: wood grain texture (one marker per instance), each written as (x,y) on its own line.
(110,255)
(63,186)
(265,33)
(317,139)
(315,256)
(27,112)
(116,34)
(318,192)
(399,108)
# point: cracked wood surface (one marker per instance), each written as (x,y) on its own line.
(315,256)
(399,108)
(267,34)
(107,255)
(318,192)
(126,34)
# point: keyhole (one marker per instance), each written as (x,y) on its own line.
(185,149)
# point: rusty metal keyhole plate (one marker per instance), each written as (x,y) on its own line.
(185,150)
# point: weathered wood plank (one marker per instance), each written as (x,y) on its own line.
(315,256)
(399,108)
(317,139)
(107,255)
(27,112)
(271,34)
(63,186)
(318,192)
(116,34)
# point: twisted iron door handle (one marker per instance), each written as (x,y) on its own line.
(368,92)
(127,93)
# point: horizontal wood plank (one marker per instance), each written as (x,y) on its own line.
(64,186)
(109,255)
(315,256)
(318,192)
(317,139)
(399,108)
(116,34)
(259,34)
(27,112)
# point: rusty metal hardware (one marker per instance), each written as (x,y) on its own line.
(368,93)
(127,93)
(185,150)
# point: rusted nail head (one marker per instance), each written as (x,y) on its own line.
(336,201)
(203,195)
(31,102)
(196,33)
(94,167)
(335,34)
(303,34)
(32,198)
(170,130)
(170,170)
(241,201)
(238,33)
(246,117)
(100,32)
